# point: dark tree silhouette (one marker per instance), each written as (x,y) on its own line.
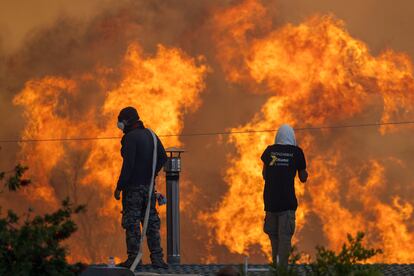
(33,246)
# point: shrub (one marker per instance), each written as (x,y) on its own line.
(348,261)
(33,246)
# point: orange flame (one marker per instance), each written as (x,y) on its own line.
(88,171)
(315,74)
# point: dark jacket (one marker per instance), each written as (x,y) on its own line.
(137,150)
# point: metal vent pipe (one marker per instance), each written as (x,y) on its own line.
(172,170)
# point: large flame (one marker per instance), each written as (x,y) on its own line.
(315,74)
(87,170)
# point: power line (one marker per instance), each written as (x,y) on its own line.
(208,133)
(58,139)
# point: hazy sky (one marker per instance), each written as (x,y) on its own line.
(19,17)
(380,23)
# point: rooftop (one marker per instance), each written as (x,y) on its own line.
(211,269)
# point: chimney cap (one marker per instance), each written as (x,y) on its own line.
(174,149)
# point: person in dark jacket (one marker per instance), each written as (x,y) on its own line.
(134,181)
(281,162)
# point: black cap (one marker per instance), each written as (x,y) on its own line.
(128,115)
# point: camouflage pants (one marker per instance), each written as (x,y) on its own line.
(134,204)
(280,227)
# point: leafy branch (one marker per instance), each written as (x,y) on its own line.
(34,246)
(349,261)
(16,180)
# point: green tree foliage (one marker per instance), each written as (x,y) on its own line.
(16,180)
(33,246)
(349,261)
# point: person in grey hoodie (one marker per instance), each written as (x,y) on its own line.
(281,162)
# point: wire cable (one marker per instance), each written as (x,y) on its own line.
(310,128)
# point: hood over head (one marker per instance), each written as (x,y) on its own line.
(285,135)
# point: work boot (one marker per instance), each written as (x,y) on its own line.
(129,262)
(159,263)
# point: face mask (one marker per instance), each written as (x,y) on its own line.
(121,125)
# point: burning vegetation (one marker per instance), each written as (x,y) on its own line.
(317,75)
(309,74)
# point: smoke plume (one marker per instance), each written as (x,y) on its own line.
(207,66)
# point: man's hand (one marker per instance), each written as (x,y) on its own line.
(303,176)
(117,194)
